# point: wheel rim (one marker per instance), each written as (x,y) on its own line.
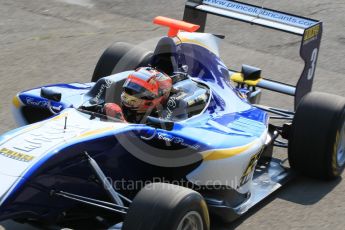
(191,221)
(341,147)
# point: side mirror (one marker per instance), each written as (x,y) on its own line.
(50,94)
(251,73)
(159,123)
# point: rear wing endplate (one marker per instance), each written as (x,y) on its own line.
(309,29)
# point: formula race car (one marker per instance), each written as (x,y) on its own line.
(211,157)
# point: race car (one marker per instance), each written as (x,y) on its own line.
(212,157)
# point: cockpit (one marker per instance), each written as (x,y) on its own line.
(187,98)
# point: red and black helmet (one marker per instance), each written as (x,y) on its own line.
(145,88)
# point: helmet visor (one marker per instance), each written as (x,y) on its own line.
(138,91)
(131,101)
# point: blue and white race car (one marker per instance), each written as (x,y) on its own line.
(212,156)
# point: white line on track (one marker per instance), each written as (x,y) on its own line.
(84,3)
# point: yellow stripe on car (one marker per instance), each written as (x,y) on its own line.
(95,132)
(192,41)
(16,102)
(58,117)
(219,154)
(239,78)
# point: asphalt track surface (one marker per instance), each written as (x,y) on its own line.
(47,41)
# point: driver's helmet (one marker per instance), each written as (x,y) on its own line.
(144,90)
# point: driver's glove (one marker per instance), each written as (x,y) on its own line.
(113,110)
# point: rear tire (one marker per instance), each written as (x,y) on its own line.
(165,206)
(121,57)
(317,138)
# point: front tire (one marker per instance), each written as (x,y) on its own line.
(165,206)
(317,138)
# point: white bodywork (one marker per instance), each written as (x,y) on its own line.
(228,171)
(208,41)
(22,149)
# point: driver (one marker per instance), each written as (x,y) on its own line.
(144,93)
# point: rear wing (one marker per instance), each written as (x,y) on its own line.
(309,29)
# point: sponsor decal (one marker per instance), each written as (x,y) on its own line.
(311,33)
(261,13)
(176,140)
(35,102)
(41,103)
(16,155)
(102,89)
(250,168)
(171,106)
(57,108)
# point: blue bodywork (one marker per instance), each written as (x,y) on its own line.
(228,121)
